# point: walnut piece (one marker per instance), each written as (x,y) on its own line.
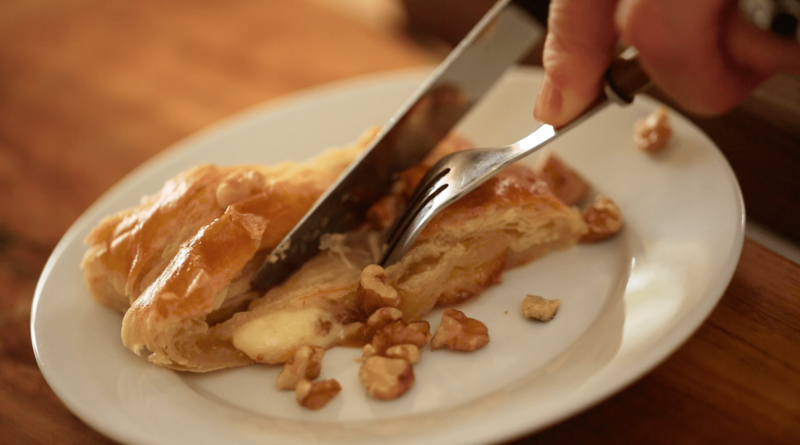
(373,290)
(407,352)
(460,333)
(603,219)
(416,333)
(386,378)
(315,395)
(395,333)
(380,342)
(369,350)
(379,319)
(306,363)
(562,180)
(539,308)
(652,133)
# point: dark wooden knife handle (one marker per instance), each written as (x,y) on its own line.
(625,78)
(539,9)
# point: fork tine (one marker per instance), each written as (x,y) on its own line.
(430,187)
(409,217)
(427,183)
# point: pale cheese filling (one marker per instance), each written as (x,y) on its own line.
(274,337)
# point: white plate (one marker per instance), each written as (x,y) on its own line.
(627,303)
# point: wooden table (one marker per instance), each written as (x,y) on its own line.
(89,89)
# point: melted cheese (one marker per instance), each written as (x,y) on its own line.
(273,338)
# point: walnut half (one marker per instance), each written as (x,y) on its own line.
(379,319)
(394,333)
(407,352)
(374,292)
(306,363)
(603,218)
(416,333)
(315,395)
(460,333)
(386,378)
(652,133)
(539,308)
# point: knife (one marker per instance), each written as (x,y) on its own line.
(502,37)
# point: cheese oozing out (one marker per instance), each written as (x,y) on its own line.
(273,338)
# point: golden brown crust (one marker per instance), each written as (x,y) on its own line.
(175,305)
(129,249)
(562,180)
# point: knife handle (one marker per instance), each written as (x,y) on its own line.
(538,9)
(625,78)
(780,17)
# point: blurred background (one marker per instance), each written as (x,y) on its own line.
(86,81)
(90,89)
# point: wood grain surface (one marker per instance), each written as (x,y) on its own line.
(89,89)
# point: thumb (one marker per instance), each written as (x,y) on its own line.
(578,48)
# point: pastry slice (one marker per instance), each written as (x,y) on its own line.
(179,265)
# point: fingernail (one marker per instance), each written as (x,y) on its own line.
(549,101)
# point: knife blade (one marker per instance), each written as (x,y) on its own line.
(503,36)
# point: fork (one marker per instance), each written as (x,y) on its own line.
(458,173)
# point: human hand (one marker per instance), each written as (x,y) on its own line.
(702,53)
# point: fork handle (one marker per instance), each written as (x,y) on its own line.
(625,77)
